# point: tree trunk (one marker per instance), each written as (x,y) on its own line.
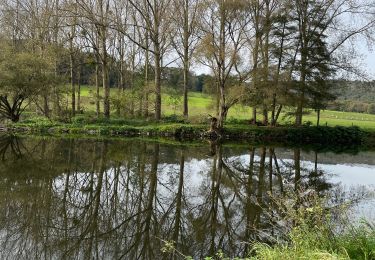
(72,82)
(186,58)
(157,83)
(106,87)
(275,115)
(186,85)
(266,61)
(303,69)
(45,105)
(255,72)
(97,98)
(223,109)
(265,115)
(145,107)
(254,120)
(79,87)
(299,111)
(121,53)
(318,117)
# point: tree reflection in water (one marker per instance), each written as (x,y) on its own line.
(73,199)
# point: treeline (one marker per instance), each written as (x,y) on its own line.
(354,96)
(269,54)
(352,106)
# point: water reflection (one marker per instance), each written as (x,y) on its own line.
(88,199)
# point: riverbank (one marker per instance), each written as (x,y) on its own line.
(323,135)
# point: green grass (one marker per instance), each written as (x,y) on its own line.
(202,105)
(356,242)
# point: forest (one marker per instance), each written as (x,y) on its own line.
(272,56)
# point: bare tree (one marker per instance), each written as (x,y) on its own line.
(184,38)
(223,27)
(155,19)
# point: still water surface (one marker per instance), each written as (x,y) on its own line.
(119,199)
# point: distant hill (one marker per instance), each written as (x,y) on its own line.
(355,91)
(354,96)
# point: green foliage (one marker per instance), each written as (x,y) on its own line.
(174,101)
(23,75)
(284,252)
(123,103)
(359,241)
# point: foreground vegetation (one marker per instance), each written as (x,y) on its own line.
(314,231)
(356,242)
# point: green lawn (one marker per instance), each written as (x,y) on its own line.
(202,105)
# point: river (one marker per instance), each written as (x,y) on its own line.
(66,198)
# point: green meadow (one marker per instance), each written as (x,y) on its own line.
(202,105)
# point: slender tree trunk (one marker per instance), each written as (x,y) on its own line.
(104,57)
(157,83)
(299,111)
(223,110)
(186,85)
(79,87)
(132,76)
(254,111)
(56,103)
(217,105)
(146,86)
(105,83)
(97,99)
(186,58)
(265,115)
(121,53)
(72,82)
(255,80)
(45,105)
(266,61)
(303,68)
(275,115)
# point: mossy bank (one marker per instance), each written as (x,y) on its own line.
(323,135)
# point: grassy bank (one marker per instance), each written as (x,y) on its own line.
(324,135)
(338,128)
(356,242)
